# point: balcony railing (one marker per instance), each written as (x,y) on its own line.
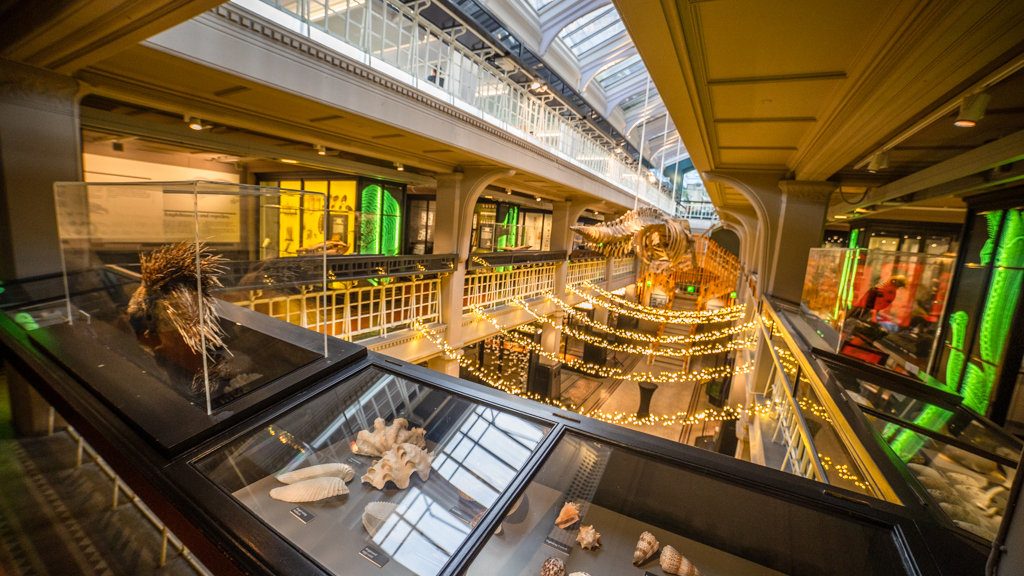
(396,39)
(697,211)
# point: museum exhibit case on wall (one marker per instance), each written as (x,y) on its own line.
(911,432)
(878,305)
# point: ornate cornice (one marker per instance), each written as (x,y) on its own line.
(808,190)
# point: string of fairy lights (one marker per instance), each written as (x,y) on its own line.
(730,314)
(682,314)
(495,380)
(708,373)
(642,336)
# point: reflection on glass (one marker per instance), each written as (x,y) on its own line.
(970,489)
(475,450)
(881,306)
(721,529)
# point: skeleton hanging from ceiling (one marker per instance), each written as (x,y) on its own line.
(664,244)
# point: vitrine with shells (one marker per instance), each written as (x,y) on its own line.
(383,474)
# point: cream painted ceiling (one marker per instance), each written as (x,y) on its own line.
(808,88)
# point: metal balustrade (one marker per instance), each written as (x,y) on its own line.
(697,211)
(623,267)
(357,312)
(396,39)
(490,288)
(587,271)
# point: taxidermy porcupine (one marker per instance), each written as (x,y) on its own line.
(164,312)
(167,302)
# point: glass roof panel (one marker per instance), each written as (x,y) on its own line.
(590,30)
(637,100)
(620,71)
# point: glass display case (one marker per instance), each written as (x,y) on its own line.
(158,288)
(881,306)
(383,467)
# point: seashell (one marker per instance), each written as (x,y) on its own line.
(924,471)
(375,514)
(976,530)
(579,574)
(310,490)
(588,538)
(933,483)
(965,480)
(672,562)
(334,469)
(961,513)
(568,516)
(645,548)
(945,496)
(968,460)
(552,567)
(383,438)
(397,465)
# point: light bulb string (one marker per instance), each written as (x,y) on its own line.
(732,314)
(660,311)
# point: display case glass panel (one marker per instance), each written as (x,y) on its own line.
(588,506)
(445,462)
(881,306)
(161,284)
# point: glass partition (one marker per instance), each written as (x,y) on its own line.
(152,273)
(881,306)
(377,472)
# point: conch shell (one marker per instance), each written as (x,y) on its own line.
(672,562)
(568,516)
(375,514)
(588,538)
(397,465)
(552,567)
(333,469)
(310,490)
(645,548)
(383,438)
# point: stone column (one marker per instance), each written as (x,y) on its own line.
(449,366)
(801,227)
(39,145)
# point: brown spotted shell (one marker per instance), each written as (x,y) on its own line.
(552,567)
(672,562)
(645,548)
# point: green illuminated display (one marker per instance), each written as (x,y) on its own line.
(380,230)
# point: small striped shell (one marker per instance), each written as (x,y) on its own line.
(334,469)
(310,490)
(645,548)
(672,562)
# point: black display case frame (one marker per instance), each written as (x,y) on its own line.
(230,539)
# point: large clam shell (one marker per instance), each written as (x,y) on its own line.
(333,469)
(310,490)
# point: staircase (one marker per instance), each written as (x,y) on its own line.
(675,363)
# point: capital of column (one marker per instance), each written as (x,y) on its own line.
(21,82)
(808,190)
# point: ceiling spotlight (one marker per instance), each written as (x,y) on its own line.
(879,161)
(972,109)
(651,178)
(535,85)
(537,199)
(321,150)
(399,167)
(841,216)
(289,161)
(194,123)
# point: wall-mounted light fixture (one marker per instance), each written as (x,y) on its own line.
(194,123)
(321,150)
(399,167)
(879,161)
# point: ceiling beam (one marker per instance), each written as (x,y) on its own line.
(981,159)
(557,15)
